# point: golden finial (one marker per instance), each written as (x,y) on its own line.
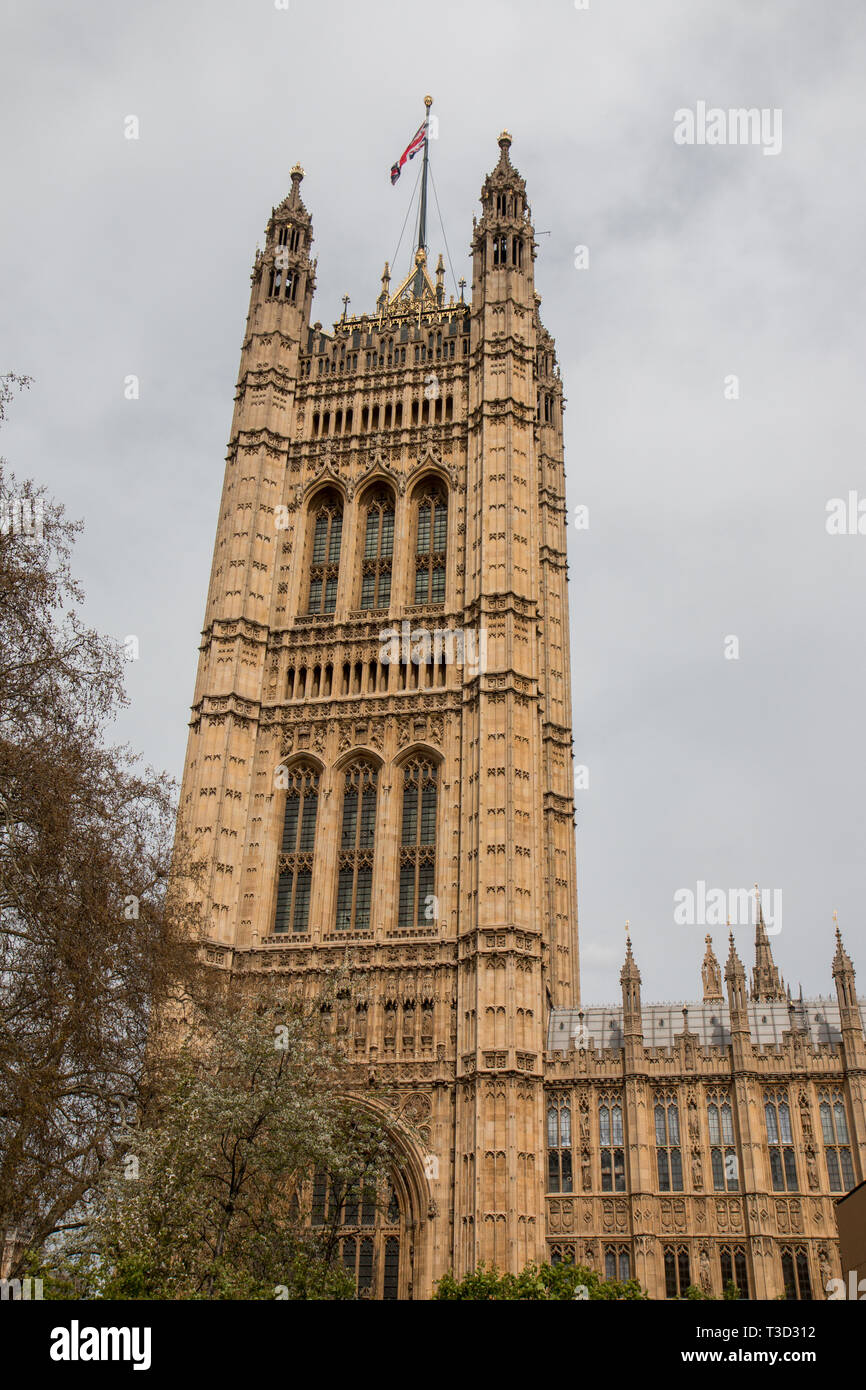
(428,102)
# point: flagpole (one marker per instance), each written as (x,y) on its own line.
(422,220)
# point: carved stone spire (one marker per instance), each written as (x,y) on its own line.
(846,993)
(735,978)
(503,195)
(711,975)
(385,292)
(295,195)
(767,985)
(629,978)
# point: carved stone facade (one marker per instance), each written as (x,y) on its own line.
(735,1135)
(380,767)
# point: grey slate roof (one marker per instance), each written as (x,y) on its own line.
(662,1022)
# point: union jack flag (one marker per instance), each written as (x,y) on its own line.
(414,145)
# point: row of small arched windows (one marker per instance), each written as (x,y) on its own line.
(430,410)
(321,682)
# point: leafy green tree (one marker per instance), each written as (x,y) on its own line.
(209,1199)
(543,1282)
(89,935)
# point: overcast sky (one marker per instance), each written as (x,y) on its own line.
(707,515)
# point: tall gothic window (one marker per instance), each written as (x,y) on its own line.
(669,1159)
(418,845)
(611,1144)
(355,882)
(733,1268)
(559,1144)
(325,562)
(783,1166)
(834,1130)
(378,551)
(723,1153)
(617,1262)
(366,1227)
(296,851)
(795,1273)
(430,546)
(677,1270)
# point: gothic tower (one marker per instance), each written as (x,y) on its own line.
(379,759)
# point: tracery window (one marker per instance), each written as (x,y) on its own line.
(418,844)
(355,882)
(296,851)
(834,1130)
(559,1174)
(677,1270)
(617,1262)
(669,1160)
(366,1233)
(325,561)
(562,1253)
(723,1153)
(733,1268)
(610,1139)
(783,1165)
(430,543)
(378,551)
(795,1273)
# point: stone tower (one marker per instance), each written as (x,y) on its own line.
(379,762)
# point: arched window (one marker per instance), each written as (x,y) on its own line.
(780,1141)
(611,1146)
(837,1150)
(296,851)
(327,515)
(617,1262)
(367,1227)
(430,546)
(723,1153)
(559,1170)
(669,1160)
(795,1273)
(355,883)
(378,551)
(733,1268)
(418,845)
(677,1270)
